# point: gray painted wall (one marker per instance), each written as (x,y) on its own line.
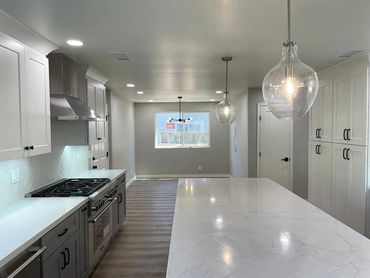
(254,97)
(122,134)
(300,145)
(239,139)
(151,161)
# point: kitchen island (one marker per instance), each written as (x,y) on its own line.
(257,228)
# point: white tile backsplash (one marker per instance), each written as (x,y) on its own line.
(38,171)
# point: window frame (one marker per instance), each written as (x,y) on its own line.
(182,144)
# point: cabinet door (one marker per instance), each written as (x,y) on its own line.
(91,103)
(83,242)
(341,184)
(52,267)
(12,94)
(358,113)
(38,102)
(320,181)
(341,108)
(357,157)
(70,248)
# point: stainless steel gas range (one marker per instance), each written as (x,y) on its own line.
(106,208)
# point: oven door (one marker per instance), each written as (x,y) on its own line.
(100,233)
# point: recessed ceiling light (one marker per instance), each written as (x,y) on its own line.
(75,43)
(218,92)
(212,99)
(150,100)
(140,92)
(130,85)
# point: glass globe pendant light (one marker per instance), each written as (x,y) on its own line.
(226,110)
(290,88)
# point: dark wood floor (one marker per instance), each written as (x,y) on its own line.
(141,247)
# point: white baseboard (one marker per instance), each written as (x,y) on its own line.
(130,182)
(140,177)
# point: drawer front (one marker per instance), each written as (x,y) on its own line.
(122,180)
(57,236)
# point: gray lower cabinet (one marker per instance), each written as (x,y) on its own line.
(83,252)
(121,199)
(63,263)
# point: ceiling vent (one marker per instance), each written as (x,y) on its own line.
(350,53)
(120,56)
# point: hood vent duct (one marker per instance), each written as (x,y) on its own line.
(68,90)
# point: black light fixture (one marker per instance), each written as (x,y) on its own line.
(180,119)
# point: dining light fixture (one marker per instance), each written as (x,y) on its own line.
(180,119)
(290,88)
(226,110)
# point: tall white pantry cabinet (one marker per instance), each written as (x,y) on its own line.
(338,147)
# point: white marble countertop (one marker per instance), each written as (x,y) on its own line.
(256,228)
(25,221)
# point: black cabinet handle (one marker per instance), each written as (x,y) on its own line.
(31,147)
(84,209)
(319,133)
(95,167)
(64,260)
(26,148)
(68,256)
(344,133)
(348,134)
(319,149)
(316,133)
(93,158)
(63,233)
(344,153)
(120,198)
(316,149)
(286,159)
(347,154)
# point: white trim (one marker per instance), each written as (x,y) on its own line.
(96,75)
(130,181)
(138,177)
(259,106)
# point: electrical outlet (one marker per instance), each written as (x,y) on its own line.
(14,176)
(200,167)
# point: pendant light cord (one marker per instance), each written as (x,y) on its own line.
(180,119)
(288,13)
(227,76)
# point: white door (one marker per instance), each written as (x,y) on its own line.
(12,100)
(321,113)
(274,148)
(319,179)
(38,103)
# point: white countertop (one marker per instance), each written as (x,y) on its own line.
(25,221)
(256,228)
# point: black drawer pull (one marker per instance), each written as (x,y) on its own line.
(347,154)
(348,134)
(63,233)
(26,148)
(344,134)
(84,209)
(68,256)
(344,153)
(32,147)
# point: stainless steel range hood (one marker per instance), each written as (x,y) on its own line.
(67,88)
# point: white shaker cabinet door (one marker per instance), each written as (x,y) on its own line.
(349,185)
(320,182)
(341,109)
(13,137)
(38,102)
(321,113)
(358,114)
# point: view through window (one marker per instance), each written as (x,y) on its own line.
(192,134)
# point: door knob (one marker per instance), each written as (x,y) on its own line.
(286,159)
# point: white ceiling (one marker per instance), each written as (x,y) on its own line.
(176,46)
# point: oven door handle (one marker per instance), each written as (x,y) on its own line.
(100,214)
(27,262)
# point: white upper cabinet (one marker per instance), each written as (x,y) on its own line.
(38,102)
(24,105)
(321,113)
(13,137)
(350,107)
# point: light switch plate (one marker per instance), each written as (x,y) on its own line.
(14,176)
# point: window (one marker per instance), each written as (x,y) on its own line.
(192,134)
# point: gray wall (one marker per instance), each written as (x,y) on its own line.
(254,97)
(167,162)
(300,145)
(239,139)
(122,135)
